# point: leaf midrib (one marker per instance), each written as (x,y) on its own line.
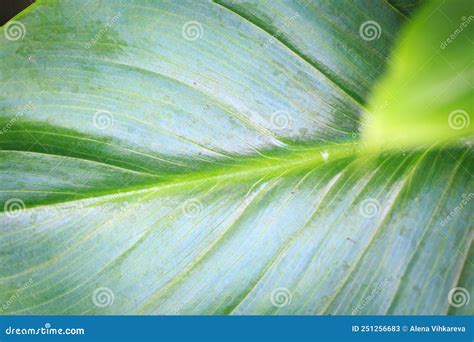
(248,167)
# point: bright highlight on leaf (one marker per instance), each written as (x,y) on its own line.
(205,157)
(428,95)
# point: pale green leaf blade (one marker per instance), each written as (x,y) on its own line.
(168,161)
(328,232)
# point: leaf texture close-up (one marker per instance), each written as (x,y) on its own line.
(228,157)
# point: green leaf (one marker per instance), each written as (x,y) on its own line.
(203,157)
(428,95)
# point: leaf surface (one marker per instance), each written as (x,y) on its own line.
(204,158)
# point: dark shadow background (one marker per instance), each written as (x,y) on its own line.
(10,8)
